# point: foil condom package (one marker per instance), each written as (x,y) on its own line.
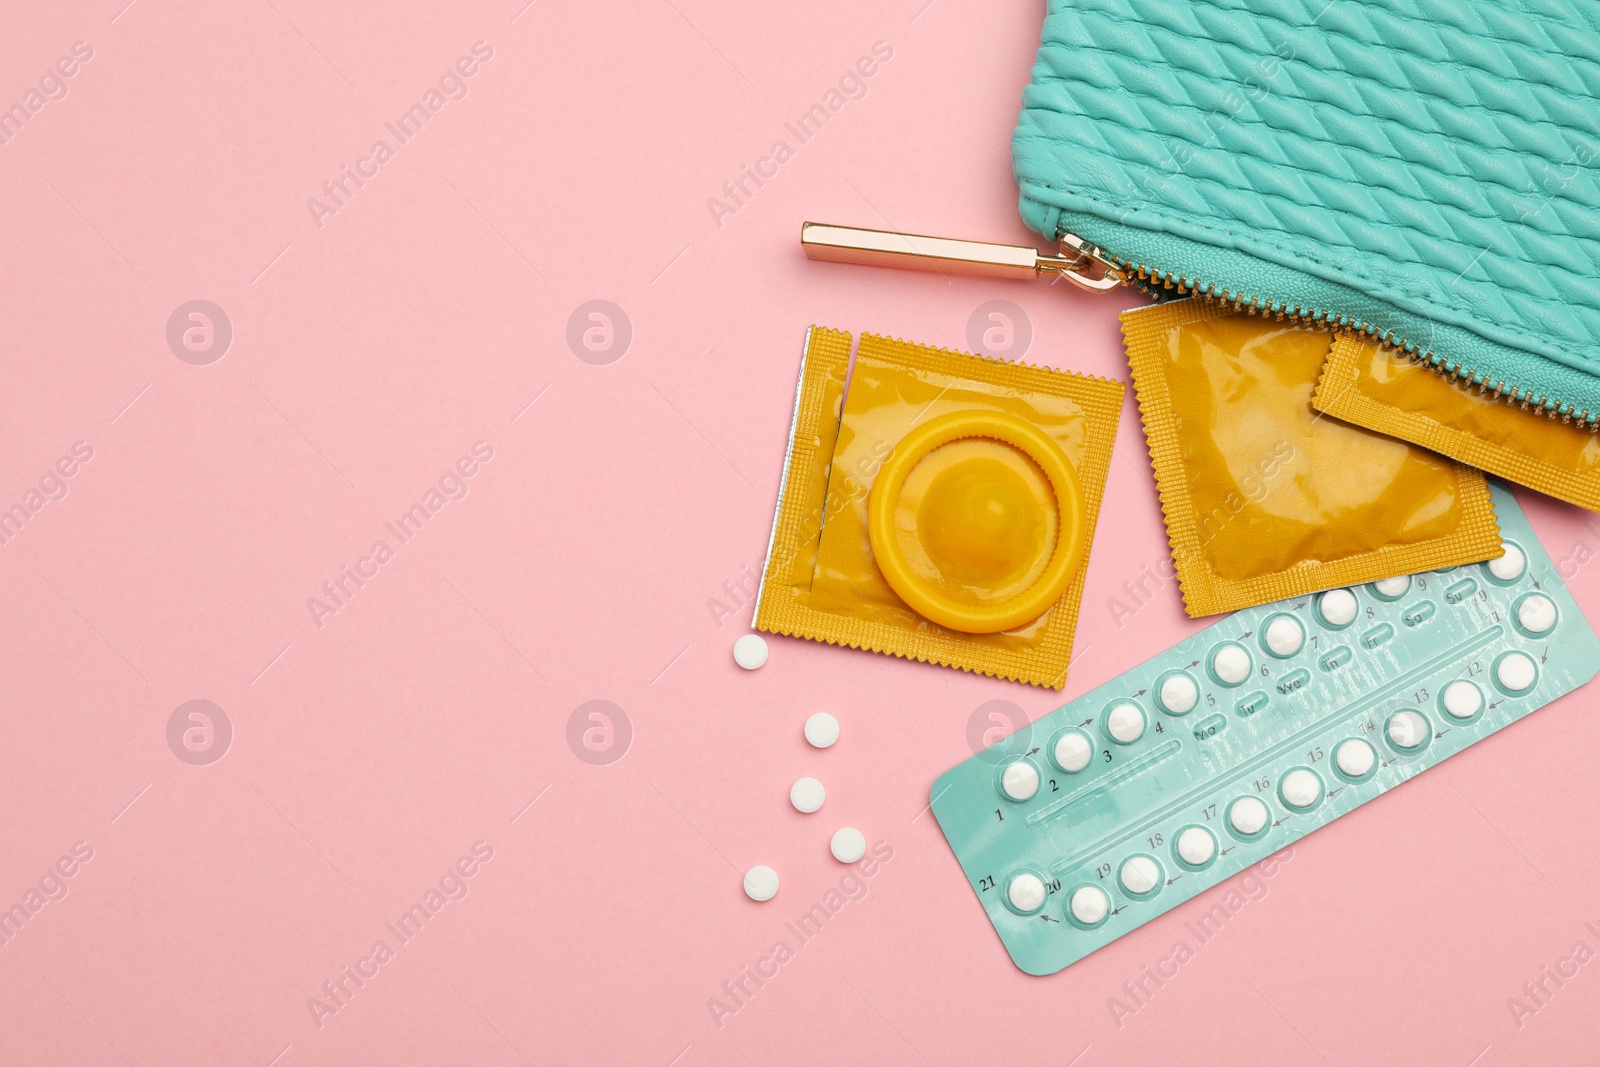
(1372,385)
(1264,497)
(938,506)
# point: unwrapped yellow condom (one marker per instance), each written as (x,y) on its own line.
(977,521)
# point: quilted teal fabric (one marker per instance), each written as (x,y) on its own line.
(1425,169)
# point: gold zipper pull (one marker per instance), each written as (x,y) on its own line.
(1080,263)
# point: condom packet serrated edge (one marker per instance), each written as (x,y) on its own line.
(1347,390)
(804,503)
(1476,538)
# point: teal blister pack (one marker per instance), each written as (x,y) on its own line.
(1253,732)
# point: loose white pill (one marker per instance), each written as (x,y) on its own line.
(1247,815)
(1179,694)
(1516,672)
(1509,567)
(1355,757)
(761,883)
(1139,875)
(1230,663)
(822,730)
(1196,846)
(1026,892)
(848,844)
(1285,635)
(1393,588)
(1073,751)
(750,651)
(1537,614)
(1090,904)
(1020,780)
(1462,700)
(1125,722)
(1337,607)
(1301,789)
(807,795)
(1407,730)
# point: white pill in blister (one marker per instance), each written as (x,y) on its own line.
(761,883)
(1285,635)
(1462,700)
(750,651)
(807,795)
(822,730)
(1125,722)
(1073,751)
(1393,588)
(1301,788)
(1516,672)
(1247,815)
(1026,892)
(1337,607)
(1355,757)
(1231,664)
(1139,875)
(1020,780)
(1090,904)
(848,845)
(1196,846)
(1179,694)
(1537,614)
(1407,730)
(1509,567)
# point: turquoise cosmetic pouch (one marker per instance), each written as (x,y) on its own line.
(1423,171)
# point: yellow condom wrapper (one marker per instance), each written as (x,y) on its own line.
(1381,389)
(978,525)
(1264,497)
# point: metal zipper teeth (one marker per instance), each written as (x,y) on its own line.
(1153,281)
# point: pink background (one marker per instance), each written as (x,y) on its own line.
(372,752)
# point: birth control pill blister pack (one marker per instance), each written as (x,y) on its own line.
(1248,735)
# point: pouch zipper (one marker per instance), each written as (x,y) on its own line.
(1092,268)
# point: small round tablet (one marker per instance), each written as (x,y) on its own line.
(1090,904)
(1020,780)
(807,795)
(1196,846)
(1355,757)
(1461,699)
(1516,672)
(1301,789)
(1125,722)
(1026,892)
(1407,730)
(1509,567)
(1247,815)
(848,845)
(822,730)
(1285,635)
(1139,875)
(750,651)
(761,883)
(1392,588)
(1337,607)
(1537,614)
(1230,663)
(1073,751)
(1178,693)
